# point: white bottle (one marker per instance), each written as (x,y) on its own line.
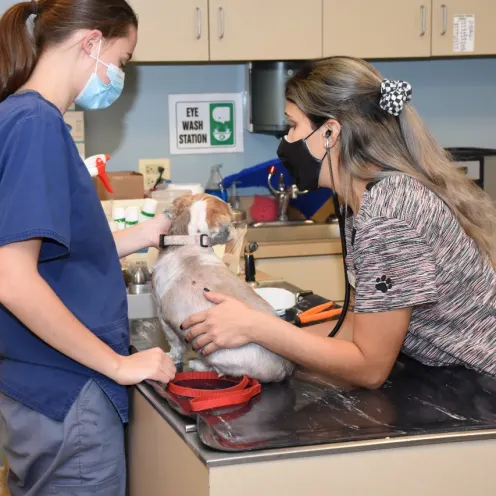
(119,217)
(132,216)
(148,209)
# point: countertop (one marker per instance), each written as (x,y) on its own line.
(307,416)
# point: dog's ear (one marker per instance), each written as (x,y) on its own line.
(178,206)
(218,212)
(178,212)
(182,204)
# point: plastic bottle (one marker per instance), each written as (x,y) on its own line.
(132,216)
(148,210)
(119,217)
(96,165)
(235,200)
(215,183)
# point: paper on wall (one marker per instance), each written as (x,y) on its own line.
(463,33)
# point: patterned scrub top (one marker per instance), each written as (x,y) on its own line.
(407,249)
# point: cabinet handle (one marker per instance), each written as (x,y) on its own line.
(198,23)
(221,23)
(424,20)
(444,9)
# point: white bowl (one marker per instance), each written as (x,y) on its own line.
(279,299)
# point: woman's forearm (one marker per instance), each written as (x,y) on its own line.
(143,235)
(131,240)
(324,329)
(339,358)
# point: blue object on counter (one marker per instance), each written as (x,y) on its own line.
(256,176)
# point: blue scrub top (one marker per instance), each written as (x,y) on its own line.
(46,192)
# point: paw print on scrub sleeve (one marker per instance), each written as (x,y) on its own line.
(384,284)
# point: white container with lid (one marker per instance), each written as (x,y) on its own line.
(279,299)
(148,209)
(119,217)
(132,216)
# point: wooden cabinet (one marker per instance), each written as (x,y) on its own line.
(377,29)
(322,274)
(236,30)
(172,31)
(463,27)
(265,30)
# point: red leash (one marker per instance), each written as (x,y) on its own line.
(201,399)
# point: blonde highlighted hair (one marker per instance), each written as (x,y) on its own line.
(349,90)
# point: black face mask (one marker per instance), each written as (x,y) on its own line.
(300,163)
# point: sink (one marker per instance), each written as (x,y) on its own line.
(292,232)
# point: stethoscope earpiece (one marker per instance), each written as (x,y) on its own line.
(327,135)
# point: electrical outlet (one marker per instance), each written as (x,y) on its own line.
(149,168)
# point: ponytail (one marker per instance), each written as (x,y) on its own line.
(17,50)
(54,22)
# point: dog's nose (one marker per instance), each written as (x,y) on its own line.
(222,237)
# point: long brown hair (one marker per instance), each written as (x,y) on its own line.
(348,90)
(54,21)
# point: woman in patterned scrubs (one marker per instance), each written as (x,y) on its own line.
(421,237)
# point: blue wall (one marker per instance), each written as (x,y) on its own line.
(456,98)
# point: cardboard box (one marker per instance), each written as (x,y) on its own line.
(127,185)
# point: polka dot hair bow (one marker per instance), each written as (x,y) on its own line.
(394,94)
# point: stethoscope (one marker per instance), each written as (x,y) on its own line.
(342,233)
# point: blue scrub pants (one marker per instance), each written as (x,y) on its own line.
(82,455)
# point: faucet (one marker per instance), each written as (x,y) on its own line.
(282,193)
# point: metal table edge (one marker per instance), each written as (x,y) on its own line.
(212,458)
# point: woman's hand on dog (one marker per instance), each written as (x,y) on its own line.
(153,364)
(227,325)
(160,224)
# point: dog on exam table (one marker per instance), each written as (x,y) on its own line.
(179,276)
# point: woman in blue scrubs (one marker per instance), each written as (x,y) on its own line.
(64,332)
(421,238)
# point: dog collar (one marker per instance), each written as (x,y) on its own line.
(202,240)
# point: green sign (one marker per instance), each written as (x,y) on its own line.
(222,124)
(206,123)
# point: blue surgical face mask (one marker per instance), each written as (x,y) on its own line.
(98,95)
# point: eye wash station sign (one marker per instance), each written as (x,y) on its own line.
(206,123)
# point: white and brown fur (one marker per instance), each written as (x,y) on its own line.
(180,276)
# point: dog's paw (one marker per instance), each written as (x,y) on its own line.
(199,366)
(178,361)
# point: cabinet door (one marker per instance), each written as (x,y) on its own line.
(378,28)
(322,274)
(265,30)
(463,27)
(171,31)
